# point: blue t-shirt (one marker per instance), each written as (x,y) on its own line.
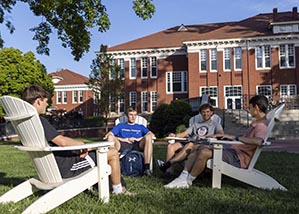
(126,130)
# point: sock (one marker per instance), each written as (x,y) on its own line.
(146,166)
(190,178)
(117,189)
(184,175)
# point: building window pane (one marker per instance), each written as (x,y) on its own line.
(154,67)
(214,59)
(122,68)
(238,58)
(144,67)
(154,101)
(133,68)
(227,59)
(133,98)
(144,101)
(287,55)
(203,60)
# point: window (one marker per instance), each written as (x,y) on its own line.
(96,97)
(64,97)
(264,90)
(212,91)
(122,68)
(203,60)
(154,100)
(287,55)
(233,91)
(144,101)
(176,82)
(263,56)
(133,68)
(58,97)
(112,73)
(238,58)
(214,59)
(144,67)
(80,96)
(121,104)
(227,59)
(112,102)
(75,96)
(133,98)
(154,72)
(288,90)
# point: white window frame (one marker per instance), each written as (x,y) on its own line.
(121,104)
(80,96)
(171,80)
(144,101)
(75,97)
(133,71)
(144,68)
(121,63)
(262,56)
(203,60)
(64,97)
(212,91)
(111,63)
(288,90)
(227,57)
(213,60)
(133,98)
(154,100)
(287,51)
(59,97)
(154,67)
(112,104)
(265,90)
(237,57)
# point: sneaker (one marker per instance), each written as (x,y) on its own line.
(147,172)
(125,192)
(162,165)
(178,183)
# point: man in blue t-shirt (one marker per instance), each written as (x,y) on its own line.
(133,136)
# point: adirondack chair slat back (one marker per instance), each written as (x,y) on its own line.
(271,116)
(27,125)
(124,119)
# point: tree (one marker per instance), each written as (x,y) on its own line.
(73,21)
(106,81)
(18,71)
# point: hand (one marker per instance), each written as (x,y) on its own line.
(84,153)
(171,135)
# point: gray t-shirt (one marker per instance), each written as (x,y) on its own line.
(203,129)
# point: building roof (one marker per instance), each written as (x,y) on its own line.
(67,77)
(258,25)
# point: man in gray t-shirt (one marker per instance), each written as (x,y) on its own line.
(196,133)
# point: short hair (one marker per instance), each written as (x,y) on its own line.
(130,109)
(261,101)
(206,106)
(33,92)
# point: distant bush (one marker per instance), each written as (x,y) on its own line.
(168,117)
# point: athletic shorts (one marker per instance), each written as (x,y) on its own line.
(230,156)
(126,146)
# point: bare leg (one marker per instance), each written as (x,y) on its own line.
(115,140)
(199,165)
(171,149)
(182,154)
(113,161)
(147,146)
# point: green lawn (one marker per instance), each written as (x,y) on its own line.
(234,197)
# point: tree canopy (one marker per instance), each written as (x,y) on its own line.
(18,70)
(73,21)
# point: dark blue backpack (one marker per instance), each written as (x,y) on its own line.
(132,163)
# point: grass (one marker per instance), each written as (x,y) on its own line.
(234,197)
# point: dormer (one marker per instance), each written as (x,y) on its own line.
(56,79)
(285,22)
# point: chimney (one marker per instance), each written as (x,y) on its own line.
(275,15)
(295,13)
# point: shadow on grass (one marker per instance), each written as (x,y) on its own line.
(10,143)
(9,181)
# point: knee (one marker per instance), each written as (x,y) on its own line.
(112,154)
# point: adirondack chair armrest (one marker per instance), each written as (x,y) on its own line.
(216,141)
(57,148)
(172,140)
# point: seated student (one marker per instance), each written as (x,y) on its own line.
(238,155)
(178,151)
(70,163)
(131,135)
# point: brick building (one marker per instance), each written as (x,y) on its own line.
(71,93)
(229,61)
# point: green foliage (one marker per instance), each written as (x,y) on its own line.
(106,80)
(18,70)
(180,128)
(71,20)
(167,118)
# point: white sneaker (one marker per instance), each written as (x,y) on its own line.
(177,183)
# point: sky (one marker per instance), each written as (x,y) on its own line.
(126,26)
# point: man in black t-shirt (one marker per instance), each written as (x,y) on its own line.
(70,163)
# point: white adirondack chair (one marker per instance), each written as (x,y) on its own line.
(139,120)
(250,175)
(27,124)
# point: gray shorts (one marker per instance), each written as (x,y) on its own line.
(230,156)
